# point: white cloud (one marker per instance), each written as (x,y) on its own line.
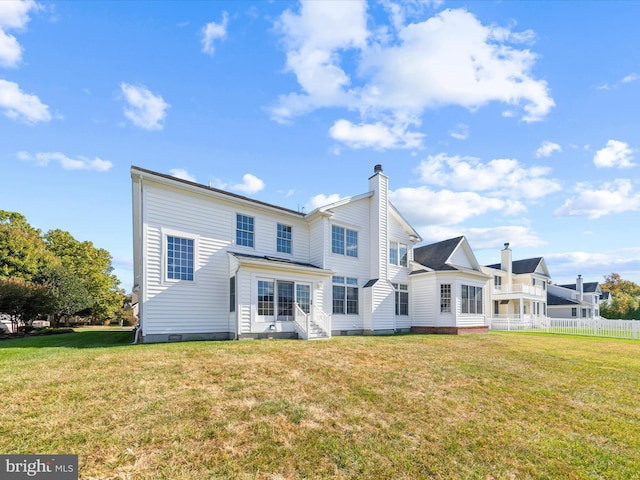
(501,177)
(183,174)
(547,148)
(593,266)
(400,70)
(423,206)
(21,106)
(321,200)
(250,184)
(615,154)
(632,77)
(214,31)
(145,110)
(13,15)
(377,136)
(485,238)
(461,132)
(313,39)
(613,197)
(42,159)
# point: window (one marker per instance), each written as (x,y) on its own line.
(402,299)
(471,299)
(179,258)
(445,298)
(345,295)
(574,312)
(496,307)
(283,239)
(398,254)
(344,241)
(497,282)
(265,298)
(584,313)
(393,253)
(244,230)
(232,294)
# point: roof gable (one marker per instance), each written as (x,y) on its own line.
(526,265)
(452,254)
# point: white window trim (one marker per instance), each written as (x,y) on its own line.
(235,230)
(345,227)
(276,246)
(168,232)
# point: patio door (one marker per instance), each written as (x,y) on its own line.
(303,296)
(285,300)
(276,299)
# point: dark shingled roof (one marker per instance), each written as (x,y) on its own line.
(589,287)
(435,255)
(556,300)
(528,265)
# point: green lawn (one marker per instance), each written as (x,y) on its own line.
(492,406)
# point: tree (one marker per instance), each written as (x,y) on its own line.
(22,251)
(67,294)
(625,298)
(93,267)
(22,301)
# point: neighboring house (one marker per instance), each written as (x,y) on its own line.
(518,290)
(578,300)
(448,289)
(210,264)
(606,299)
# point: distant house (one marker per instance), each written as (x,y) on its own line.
(210,264)
(448,289)
(606,299)
(518,289)
(577,300)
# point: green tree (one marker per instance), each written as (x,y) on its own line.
(93,267)
(625,298)
(22,301)
(22,251)
(66,292)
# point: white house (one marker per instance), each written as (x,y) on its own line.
(578,300)
(448,289)
(519,288)
(210,264)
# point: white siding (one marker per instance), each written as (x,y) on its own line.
(423,298)
(202,306)
(460,258)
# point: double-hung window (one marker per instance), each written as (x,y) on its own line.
(398,254)
(402,299)
(180,260)
(445,298)
(345,295)
(244,230)
(283,239)
(471,299)
(344,241)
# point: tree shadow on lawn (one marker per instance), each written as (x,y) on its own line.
(97,339)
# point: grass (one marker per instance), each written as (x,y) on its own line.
(494,406)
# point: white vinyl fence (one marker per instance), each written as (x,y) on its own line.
(600,327)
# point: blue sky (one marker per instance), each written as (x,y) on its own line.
(503,121)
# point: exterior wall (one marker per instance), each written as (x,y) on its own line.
(211,224)
(426,293)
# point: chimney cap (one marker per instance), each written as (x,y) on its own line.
(377,168)
(506,245)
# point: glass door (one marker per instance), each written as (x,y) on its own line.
(285,301)
(303,296)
